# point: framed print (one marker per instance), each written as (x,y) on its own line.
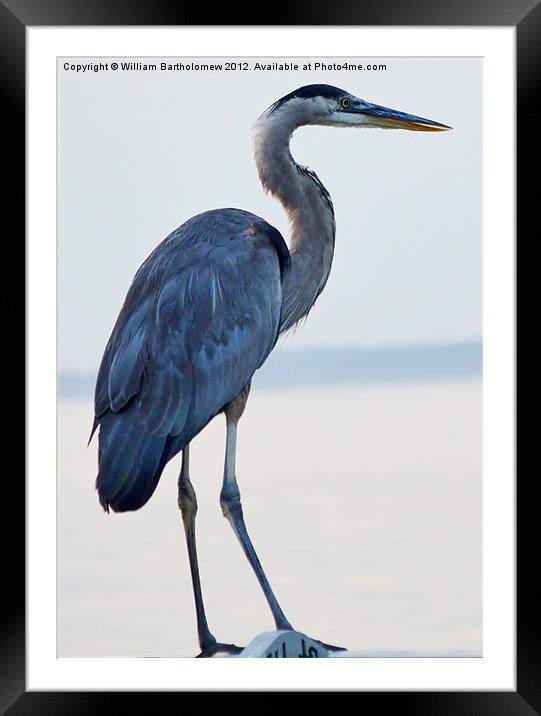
(329,368)
(405,555)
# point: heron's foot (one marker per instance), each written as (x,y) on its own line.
(330,647)
(217,648)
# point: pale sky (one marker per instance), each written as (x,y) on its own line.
(141,152)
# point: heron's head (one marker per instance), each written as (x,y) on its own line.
(331,106)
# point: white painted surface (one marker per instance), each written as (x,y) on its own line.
(283,645)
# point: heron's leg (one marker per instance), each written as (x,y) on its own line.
(187,502)
(232,509)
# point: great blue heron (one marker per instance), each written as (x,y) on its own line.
(203,313)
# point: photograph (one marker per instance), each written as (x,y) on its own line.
(264,319)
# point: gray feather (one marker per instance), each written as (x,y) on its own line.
(201,316)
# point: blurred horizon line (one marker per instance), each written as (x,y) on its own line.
(341,366)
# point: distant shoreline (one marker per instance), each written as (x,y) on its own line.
(325,367)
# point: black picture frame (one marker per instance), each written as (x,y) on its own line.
(15,17)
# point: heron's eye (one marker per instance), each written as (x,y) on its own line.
(345,103)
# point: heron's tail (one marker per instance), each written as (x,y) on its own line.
(130,461)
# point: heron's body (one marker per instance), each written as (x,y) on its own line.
(189,337)
(202,315)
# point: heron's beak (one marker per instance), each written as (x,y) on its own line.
(377,116)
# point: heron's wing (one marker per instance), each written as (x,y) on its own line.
(201,316)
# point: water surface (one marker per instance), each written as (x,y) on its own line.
(364,503)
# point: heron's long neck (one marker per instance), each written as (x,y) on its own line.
(310,212)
